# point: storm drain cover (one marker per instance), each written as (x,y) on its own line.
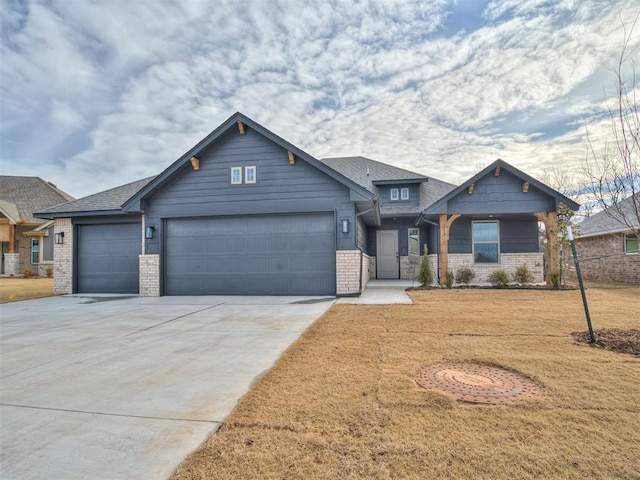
(475,383)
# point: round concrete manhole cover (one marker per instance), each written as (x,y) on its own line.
(475,383)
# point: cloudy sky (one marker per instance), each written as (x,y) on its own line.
(95,94)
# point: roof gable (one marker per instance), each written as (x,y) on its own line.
(539,190)
(20,197)
(358,193)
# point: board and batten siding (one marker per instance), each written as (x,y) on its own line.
(384,192)
(280,187)
(502,194)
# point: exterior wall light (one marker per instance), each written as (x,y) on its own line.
(345,225)
(59,238)
(148,232)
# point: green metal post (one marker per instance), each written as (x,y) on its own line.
(576,261)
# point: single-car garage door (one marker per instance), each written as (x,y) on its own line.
(251,255)
(108,258)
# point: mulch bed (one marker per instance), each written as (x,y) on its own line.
(613,339)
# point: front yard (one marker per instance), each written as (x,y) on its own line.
(342,401)
(14,289)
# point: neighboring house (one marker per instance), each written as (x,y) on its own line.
(608,247)
(26,241)
(246,212)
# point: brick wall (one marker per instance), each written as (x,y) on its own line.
(616,266)
(366,275)
(12,264)
(372,268)
(508,263)
(149,275)
(63,257)
(348,272)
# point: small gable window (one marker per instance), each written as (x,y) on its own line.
(236,175)
(631,243)
(249,174)
(404,194)
(394,194)
(486,244)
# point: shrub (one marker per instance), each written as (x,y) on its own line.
(465,275)
(523,275)
(426,275)
(449,279)
(28,273)
(499,279)
(556,279)
(49,272)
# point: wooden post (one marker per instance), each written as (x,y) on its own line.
(550,221)
(12,238)
(445,225)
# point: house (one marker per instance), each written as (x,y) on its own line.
(246,212)
(27,242)
(608,246)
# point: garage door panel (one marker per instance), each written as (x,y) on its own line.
(107,258)
(267,255)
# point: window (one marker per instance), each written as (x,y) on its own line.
(249,174)
(236,175)
(414,245)
(631,243)
(35,250)
(404,194)
(486,245)
(394,194)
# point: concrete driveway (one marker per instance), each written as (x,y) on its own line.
(125,387)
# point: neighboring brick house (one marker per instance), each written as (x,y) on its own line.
(26,241)
(608,247)
(246,212)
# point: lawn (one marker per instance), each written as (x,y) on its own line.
(14,289)
(342,401)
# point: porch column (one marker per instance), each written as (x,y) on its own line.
(445,224)
(12,238)
(550,221)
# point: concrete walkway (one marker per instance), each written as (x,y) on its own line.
(379,292)
(108,387)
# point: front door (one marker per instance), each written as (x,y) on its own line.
(387,254)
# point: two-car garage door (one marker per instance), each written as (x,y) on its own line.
(252,255)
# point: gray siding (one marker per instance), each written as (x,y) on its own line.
(362,242)
(47,247)
(280,187)
(517,235)
(502,194)
(384,192)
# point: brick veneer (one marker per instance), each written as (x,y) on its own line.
(508,263)
(615,266)
(63,257)
(149,275)
(348,272)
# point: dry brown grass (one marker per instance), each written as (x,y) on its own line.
(14,289)
(342,402)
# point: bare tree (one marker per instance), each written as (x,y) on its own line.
(614,173)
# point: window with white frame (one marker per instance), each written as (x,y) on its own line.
(393,194)
(631,243)
(236,175)
(486,242)
(404,194)
(35,250)
(414,245)
(249,174)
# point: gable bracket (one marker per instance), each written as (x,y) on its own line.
(292,157)
(241,127)
(470,189)
(525,187)
(497,171)
(195,163)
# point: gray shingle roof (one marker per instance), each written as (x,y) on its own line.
(29,195)
(356,168)
(111,199)
(611,220)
